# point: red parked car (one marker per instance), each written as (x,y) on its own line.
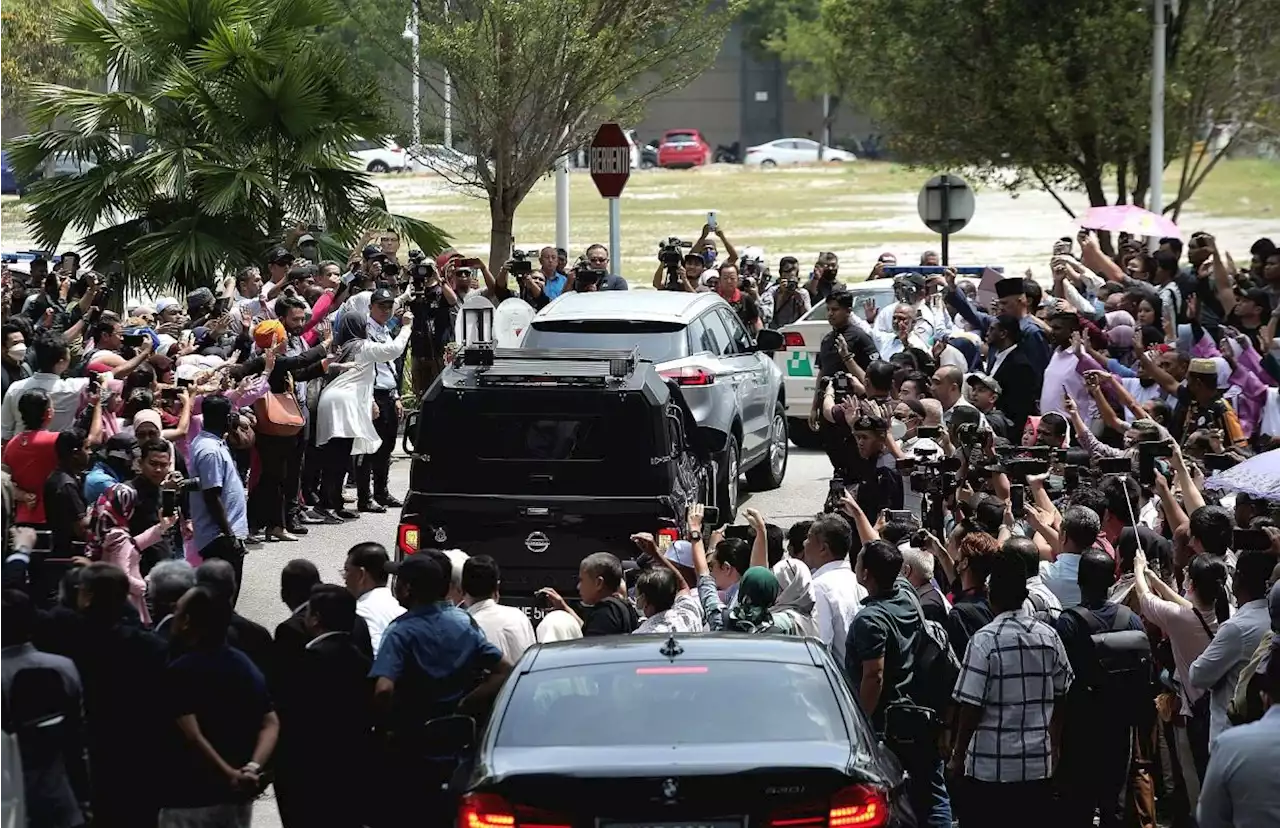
(683,148)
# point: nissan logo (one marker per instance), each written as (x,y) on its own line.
(537,542)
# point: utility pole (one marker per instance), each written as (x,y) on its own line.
(448,98)
(1157,106)
(417,74)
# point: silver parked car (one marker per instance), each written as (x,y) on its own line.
(728,377)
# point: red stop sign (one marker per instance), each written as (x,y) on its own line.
(609,160)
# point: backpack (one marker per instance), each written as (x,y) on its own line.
(936,666)
(1119,678)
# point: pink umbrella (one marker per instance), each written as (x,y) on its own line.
(1126,218)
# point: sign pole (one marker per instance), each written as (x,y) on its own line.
(562,203)
(946,220)
(615,235)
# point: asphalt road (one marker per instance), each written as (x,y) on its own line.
(801,495)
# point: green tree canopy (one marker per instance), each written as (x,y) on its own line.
(1058,91)
(246,117)
(34,54)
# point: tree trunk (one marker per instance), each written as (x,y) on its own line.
(1092,180)
(1122,181)
(502,216)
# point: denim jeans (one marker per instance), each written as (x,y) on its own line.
(926,784)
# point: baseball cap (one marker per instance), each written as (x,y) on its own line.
(870,422)
(121,446)
(372,251)
(979,378)
(306,238)
(417,568)
(914,279)
(381,295)
(681,553)
(279,255)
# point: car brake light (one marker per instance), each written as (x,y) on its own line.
(485,810)
(670,671)
(793,339)
(858,806)
(407,539)
(690,376)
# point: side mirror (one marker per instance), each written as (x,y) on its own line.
(769,340)
(449,735)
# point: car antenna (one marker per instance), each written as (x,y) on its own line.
(672,648)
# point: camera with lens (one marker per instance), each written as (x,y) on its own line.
(585,275)
(519,265)
(669,251)
(416,255)
(842,385)
(390,270)
(419,274)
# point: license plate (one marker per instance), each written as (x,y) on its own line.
(535,614)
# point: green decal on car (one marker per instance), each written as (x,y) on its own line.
(799,364)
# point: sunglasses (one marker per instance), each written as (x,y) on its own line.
(598,259)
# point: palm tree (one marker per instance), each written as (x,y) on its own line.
(246,117)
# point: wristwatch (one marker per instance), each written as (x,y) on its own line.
(695,535)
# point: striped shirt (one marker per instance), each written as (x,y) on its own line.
(1014,669)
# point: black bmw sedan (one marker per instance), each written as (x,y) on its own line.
(698,731)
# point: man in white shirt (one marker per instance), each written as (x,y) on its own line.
(365,575)
(927,321)
(52,358)
(836,592)
(506,627)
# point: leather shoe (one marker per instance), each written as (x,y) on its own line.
(347,514)
(295,528)
(389,501)
(309,516)
(328,518)
(375,508)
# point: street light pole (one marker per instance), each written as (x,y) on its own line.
(1157,106)
(417,78)
(448,98)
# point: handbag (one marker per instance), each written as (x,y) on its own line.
(278,414)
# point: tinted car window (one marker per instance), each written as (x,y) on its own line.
(658,341)
(517,437)
(716,340)
(695,334)
(723,701)
(742,341)
(680,138)
(362,145)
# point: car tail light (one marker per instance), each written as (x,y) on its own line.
(407,539)
(793,339)
(690,376)
(858,806)
(485,810)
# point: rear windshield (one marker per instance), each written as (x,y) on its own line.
(658,341)
(664,703)
(517,436)
(681,138)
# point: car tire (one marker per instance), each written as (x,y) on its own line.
(728,490)
(378,167)
(772,468)
(801,435)
(768,163)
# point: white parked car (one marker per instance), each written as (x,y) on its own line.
(793,151)
(376,157)
(799,362)
(438,158)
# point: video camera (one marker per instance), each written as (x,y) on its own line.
(669,253)
(842,384)
(585,275)
(418,275)
(519,265)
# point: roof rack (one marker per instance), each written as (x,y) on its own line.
(581,367)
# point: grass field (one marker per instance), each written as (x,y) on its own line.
(857,210)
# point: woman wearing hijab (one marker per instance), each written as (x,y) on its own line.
(758,592)
(110,541)
(795,600)
(344,416)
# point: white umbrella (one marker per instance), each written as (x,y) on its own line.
(1256,477)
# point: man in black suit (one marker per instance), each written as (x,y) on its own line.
(1010,366)
(325,747)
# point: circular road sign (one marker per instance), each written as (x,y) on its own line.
(610,160)
(945,203)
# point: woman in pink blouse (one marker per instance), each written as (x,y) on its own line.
(111,542)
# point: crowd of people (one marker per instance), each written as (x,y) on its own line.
(1037,600)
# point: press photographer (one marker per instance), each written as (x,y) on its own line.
(784,302)
(431,301)
(677,271)
(822,282)
(742,300)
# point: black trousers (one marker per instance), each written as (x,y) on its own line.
(375,468)
(1093,775)
(228,550)
(1003,804)
(334,456)
(279,478)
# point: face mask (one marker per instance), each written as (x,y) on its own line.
(17,352)
(897,428)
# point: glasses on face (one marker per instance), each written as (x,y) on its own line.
(390,239)
(598,259)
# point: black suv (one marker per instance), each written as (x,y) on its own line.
(540,457)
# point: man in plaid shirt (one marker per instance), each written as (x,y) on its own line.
(1013,679)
